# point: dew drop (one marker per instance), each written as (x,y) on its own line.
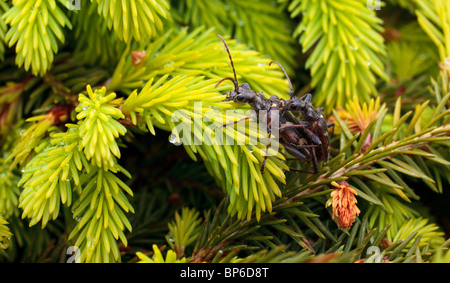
(169,64)
(263,66)
(90,243)
(173,139)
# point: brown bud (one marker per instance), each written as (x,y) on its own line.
(343,201)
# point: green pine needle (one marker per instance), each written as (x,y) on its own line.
(98,128)
(36,28)
(345,59)
(137,20)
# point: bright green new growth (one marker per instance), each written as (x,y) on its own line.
(3,29)
(95,42)
(252,21)
(171,257)
(139,20)
(9,192)
(46,178)
(197,53)
(434,18)
(61,172)
(5,234)
(99,212)
(188,98)
(184,230)
(345,44)
(36,27)
(99,209)
(99,128)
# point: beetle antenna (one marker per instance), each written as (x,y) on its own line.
(291,93)
(221,81)
(236,86)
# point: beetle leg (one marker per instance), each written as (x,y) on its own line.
(314,161)
(269,131)
(331,125)
(301,125)
(299,156)
(303,149)
(235,122)
(307,97)
(294,151)
(267,151)
(313,137)
(306,145)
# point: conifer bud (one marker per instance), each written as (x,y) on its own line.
(343,201)
(137,57)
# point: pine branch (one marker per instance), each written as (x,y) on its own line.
(158,257)
(5,234)
(95,43)
(163,104)
(441,255)
(184,230)
(249,22)
(358,163)
(380,149)
(4,7)
(344,41)
(134,20)
(100,216)
(428,234)
(133,67)
(36,28)
(197,53)
(99,128)
(46,178)
(9,192)
(31,138)
(434,17)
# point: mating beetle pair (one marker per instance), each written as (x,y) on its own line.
(307,139)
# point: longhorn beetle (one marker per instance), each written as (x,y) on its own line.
(315,128)
(291,137)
